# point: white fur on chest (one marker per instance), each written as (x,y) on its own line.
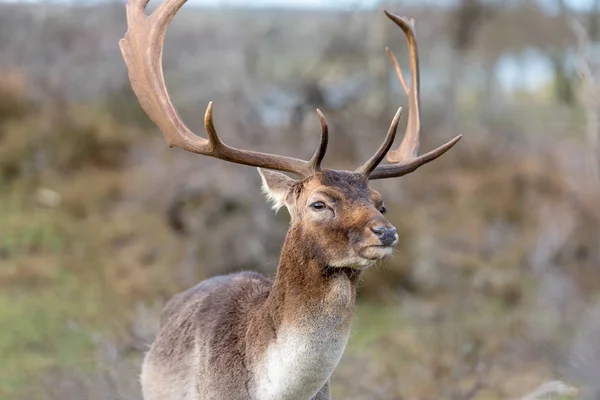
(299,362)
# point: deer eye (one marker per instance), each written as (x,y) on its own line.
(318,205)
(382,209)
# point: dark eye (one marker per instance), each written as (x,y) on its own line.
(318,205)
(382,209)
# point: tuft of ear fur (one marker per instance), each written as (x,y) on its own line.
(275,186)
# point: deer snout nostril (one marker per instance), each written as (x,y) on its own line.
(386,235)
(378,230)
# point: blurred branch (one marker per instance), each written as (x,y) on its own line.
(554,39)
(464,21)
(590,96)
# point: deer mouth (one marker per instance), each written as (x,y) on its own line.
(376,252)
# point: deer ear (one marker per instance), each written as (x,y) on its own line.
(276,187)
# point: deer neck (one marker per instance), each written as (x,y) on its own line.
(307,290)
(309,311)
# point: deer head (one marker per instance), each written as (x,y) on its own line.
(335,216)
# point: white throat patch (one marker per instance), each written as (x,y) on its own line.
(299,362)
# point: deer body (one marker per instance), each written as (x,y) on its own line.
(243,336)
(295,362)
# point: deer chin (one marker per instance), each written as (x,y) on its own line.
(376,253)
(365,257)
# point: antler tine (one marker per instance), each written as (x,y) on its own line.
(142,48)
(410,144)
(396,65)
(406,157)
(317,158)
(372,163)
(396,170)
(398,70)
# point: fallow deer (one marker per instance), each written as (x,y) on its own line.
(244,336)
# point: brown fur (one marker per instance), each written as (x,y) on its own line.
(214,335)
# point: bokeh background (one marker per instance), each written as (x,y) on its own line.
(495,287)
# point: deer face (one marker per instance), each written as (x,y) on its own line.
(340,219)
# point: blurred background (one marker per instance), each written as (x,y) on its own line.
(495,287)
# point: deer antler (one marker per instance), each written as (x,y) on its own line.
(142,49)
(406,157)
(370,165)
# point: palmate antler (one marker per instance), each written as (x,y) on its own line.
(142,49)
(406,157)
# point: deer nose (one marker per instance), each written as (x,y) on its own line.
(386,235)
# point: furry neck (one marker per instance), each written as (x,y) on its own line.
(306,288)
(309,309)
